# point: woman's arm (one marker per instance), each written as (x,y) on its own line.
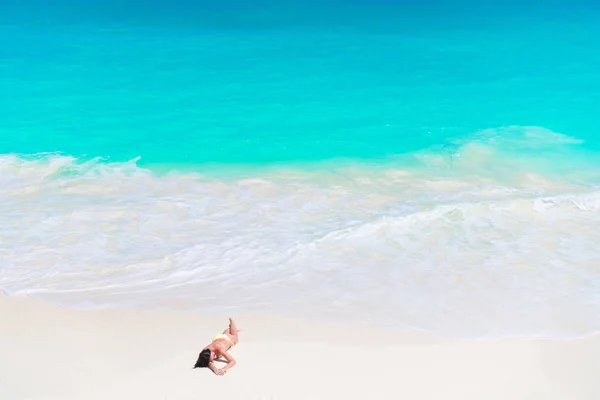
(230,362)
(214,368)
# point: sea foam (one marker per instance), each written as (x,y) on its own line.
(479,238)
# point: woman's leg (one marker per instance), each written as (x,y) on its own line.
(232,331)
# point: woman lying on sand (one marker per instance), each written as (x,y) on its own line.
(218,348)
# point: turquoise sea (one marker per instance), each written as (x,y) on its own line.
(423,165)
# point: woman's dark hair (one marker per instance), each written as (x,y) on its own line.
(203,359)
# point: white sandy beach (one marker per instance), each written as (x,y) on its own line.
(50,352)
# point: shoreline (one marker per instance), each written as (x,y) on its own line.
(406,332)
(50,352)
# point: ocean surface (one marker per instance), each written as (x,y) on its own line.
(431,166)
